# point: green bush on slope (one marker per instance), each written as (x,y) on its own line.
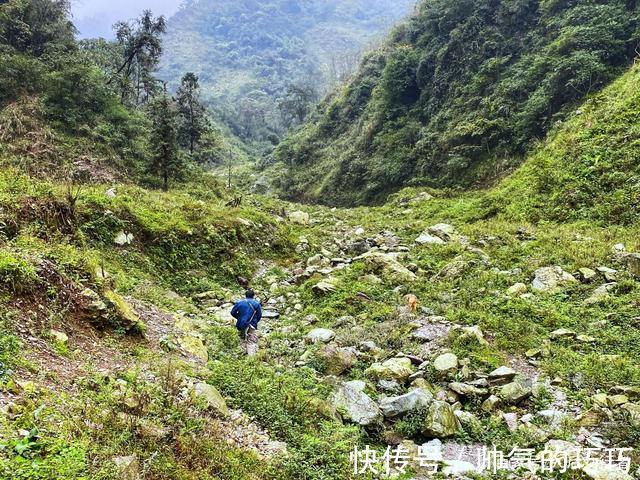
(457,95)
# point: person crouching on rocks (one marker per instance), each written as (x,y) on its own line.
(248,314)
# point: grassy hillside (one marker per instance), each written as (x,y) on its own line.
(457,95)
(248,53)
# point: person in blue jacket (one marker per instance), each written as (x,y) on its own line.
(248,314)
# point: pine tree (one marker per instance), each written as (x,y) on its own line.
(165,161)
(193,122)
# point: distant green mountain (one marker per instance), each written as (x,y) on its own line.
(247,53)
(457,95)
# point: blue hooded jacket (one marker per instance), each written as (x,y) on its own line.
(247,312)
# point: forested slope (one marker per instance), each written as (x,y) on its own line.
(253,55)
(457,95)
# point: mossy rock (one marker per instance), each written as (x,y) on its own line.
(122,314)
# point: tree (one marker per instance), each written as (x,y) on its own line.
(165,159)
(141,47)
(297,103)
(36,26)
(193,122)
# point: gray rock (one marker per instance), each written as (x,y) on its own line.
(501,375)
(211,396)
(443,231)
(587,275)
(396,406)
(440,421)
(320,335)
(426,238)
(398,369)
(551,279)
(515,392)
(631,261)
(389,386)
(446,363)
(467,390)
(355,405)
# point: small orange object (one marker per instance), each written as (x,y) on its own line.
(412,301)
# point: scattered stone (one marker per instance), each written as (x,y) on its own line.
(600,294)
(601,470)
(511,419)
(211,396)
(587,275)
(440,421)
(337,360)
(195,346)
(299,217)
(631,261)
(446,364)
(517,289)
(123,238)
(467,390)
(552,417)
(458,468)
(111,193)
(515,392)
(426,238)
(501,375)
(320,335)
(385,264)
(128,467)
(443,230)
(389,386)
(562,333)
(355,405)
(551,279)
(324,288)
(60,338)
(398,369)
(610,275)
(585,339)
(473,333)
(491,404)
(396,406)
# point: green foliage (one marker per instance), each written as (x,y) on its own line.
(16,273)
(166,161)
(193,123)
(457,95)
(262,48)
(290,406)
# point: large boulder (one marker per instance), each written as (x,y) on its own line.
(440,421)
(396,406)
(601,470)
(387,266)
(426,238)
(336,360)
(515,392)
(211,397)
(501,375)
(355,405)
(552,279)
(398,369)
(194,346)
(631,261)
(443,231)
(446,364)
(320,335)
(299,217)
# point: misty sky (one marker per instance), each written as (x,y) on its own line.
(94,18)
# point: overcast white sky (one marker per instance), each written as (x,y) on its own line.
(94,18)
